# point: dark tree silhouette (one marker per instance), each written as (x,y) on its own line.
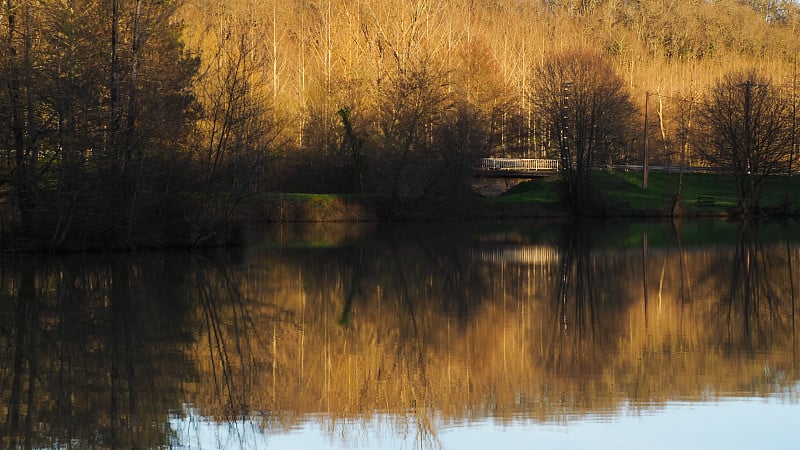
(744,129)
(584,105)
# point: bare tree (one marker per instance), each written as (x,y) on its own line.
(583,103)
(744,129)
(413,102)
(238,127)
(18,78)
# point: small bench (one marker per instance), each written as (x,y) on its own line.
(705,200)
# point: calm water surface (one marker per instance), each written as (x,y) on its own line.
(515,336)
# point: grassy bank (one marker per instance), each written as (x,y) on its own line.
(617,194)
(299,207)
(620,194)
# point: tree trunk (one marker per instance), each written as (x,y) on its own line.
(25,156)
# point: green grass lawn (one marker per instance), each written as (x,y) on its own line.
(615,194)
(625,188)
(541,191)
(623,194)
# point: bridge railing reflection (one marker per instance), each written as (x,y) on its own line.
(519,254)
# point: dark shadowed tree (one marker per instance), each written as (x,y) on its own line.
(95,106)
(17,107)
(404,152)
(743,128)
(237,129)
(583,103)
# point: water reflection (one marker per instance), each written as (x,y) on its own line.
(92,351)
(410,330)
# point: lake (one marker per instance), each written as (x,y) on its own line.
(513,335)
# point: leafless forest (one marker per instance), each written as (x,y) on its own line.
(126,119)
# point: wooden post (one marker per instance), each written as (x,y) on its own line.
(644,149)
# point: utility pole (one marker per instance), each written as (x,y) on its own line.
(565,94)
(748,86)
(793,132)
(793,146)
(565,157)
(748,118)
(750,159)
(644,147)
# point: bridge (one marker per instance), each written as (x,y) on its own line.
(533,168)
(516,167)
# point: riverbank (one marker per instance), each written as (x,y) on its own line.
(617,194)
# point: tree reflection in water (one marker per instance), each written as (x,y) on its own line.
(94,357)
(757,306)
(410,330)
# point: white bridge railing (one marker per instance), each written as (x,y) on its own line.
(519,164)
(519,254)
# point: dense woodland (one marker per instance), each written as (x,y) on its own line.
(133,122)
